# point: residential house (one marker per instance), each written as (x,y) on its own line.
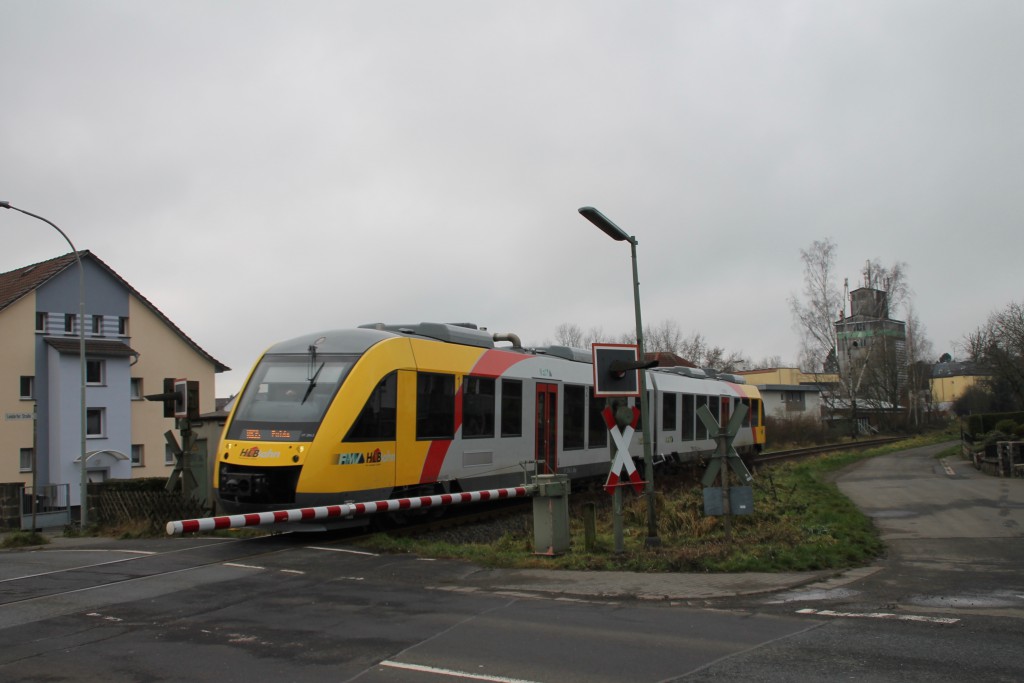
(950,380)
(130,347)
(789,392)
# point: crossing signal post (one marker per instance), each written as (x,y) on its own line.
(730,499)
(617,375)
(180,399)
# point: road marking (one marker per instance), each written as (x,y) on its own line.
(949,470)
(97,614)
(342,550)
(452,673)
(293,571)
(878,615)
(243,566)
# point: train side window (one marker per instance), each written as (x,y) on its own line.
(376,421)
(597,430)
(478,407)
(746,418)
(435,406)
(702,431)
(511,407)
(713,406)
(755,409)
(668,412)
(689,415)
(573,417)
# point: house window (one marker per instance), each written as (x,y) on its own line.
(28,387)
(95,372)
(794,401)
(138,452)
(377,420)
(95,422)
(435,406)
(25,460)
(478,407)
(69,323)
(511,407)
(122,326)
(41,320)
(574,413)
(597,430)
(97,325)
(136,388)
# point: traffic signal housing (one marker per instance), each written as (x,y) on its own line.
(180,398)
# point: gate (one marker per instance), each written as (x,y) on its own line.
(53,506)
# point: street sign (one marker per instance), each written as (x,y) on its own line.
(622,460)
(616,370)
(728,433)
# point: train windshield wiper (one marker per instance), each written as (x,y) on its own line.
(312,383)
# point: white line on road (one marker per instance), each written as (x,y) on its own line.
(877,615)
(342,550)
(452,673)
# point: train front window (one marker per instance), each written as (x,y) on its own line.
(287,396)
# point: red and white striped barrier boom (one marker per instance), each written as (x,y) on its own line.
(188,526)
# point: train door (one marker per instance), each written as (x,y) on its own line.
(546,429)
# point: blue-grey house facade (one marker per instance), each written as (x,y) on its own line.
(130,347)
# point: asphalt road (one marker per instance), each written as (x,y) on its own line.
(947,601)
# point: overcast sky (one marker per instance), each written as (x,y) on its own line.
(319,165)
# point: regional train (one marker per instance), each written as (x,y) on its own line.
(388,411)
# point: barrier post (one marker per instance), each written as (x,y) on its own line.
(551,515)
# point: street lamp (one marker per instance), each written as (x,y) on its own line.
(81,350)
(620,235)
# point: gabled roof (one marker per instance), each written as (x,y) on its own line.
(958,369)
(668,360)
(17,283)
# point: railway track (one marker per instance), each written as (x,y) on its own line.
(798,453)
(484,515)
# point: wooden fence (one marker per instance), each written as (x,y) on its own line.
(124,508)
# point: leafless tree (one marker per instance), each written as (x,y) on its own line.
(873,374)
(919,353)
(814,314)
(665,336)
(569,334)
(998,347)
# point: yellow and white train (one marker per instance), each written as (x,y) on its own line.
(384,411)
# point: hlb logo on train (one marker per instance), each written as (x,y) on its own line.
(255,452)
(375,457)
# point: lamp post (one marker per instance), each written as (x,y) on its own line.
(81,351)
(619,235)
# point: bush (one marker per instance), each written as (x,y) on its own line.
(1006,426)
(797,431)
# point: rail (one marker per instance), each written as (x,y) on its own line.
(798,453)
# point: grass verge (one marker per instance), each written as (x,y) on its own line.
(800,522)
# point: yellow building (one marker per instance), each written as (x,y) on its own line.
(788,376)
(950,380)
(130,347)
